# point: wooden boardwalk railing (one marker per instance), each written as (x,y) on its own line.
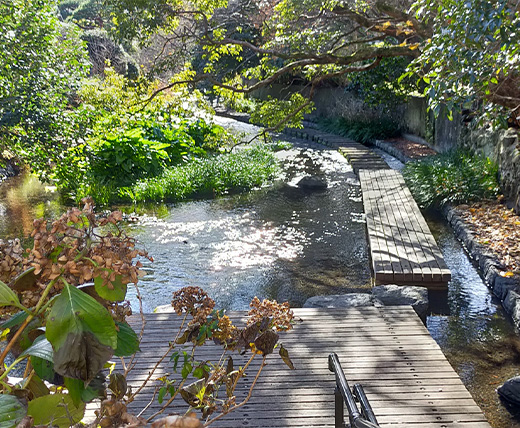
(402,246)
(388,350)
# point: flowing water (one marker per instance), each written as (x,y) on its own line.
(286,243)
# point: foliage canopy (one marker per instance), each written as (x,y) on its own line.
(462,50)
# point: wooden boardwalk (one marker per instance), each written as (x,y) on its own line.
(402,246)
(358,155)
(388,350)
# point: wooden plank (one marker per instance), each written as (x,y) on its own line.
(398,234)
(407,379)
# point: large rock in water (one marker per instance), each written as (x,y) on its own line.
(510,392)
(396,295)
(311,182)
(339,301)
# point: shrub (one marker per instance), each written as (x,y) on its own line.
(453,177)
(210,176)
(362,130)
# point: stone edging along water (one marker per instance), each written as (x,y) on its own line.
(507,289)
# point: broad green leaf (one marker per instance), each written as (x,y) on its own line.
(56,409)
(116,294)
(40,348)
(82,333)
(11,411)
(127,341)
(43,368)
(15,320)
(8,297)
(75,387)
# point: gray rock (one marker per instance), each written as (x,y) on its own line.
(339,301)
(395,295)
(503,285)
(312,183)
(512,306)
(510,391)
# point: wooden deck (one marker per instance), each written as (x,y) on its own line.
(402,247)
(388,350)
(358,155)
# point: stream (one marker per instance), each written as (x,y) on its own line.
(282,242)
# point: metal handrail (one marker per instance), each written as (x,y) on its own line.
(358,419)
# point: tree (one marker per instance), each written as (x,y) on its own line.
(474,53)
(42,63)
(315,41)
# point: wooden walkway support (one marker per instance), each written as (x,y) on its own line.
(388,350)
(402,246)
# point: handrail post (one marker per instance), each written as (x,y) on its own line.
(342,394)
(366,408)
(339,414)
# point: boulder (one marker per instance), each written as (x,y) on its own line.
(396,295)
(351,300)
(312,182)
(509,392)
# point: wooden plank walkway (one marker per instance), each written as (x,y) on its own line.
(358,155)
(402,246)
(388,350)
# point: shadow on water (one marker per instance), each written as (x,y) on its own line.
(280,242)
(286,243)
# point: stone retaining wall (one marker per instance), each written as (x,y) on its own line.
(504,288)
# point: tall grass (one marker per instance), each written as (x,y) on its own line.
(207,177)
(454,177)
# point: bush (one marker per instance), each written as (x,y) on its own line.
(453,177)
(211,176)
(362,130)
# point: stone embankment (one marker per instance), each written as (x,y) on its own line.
(507,289)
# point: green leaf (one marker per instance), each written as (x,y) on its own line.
(198,373)
(127,341)
(15,320)
(82,333)
(56,409)
(186,370)
(11,411)
(40,348)
(43,368)
(8,297)
(75,387)
(162,393)
(117,294)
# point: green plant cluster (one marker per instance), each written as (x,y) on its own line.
(362,130)
(206,177)
(454,177)
(146,147)
(142,139)
(382,86)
